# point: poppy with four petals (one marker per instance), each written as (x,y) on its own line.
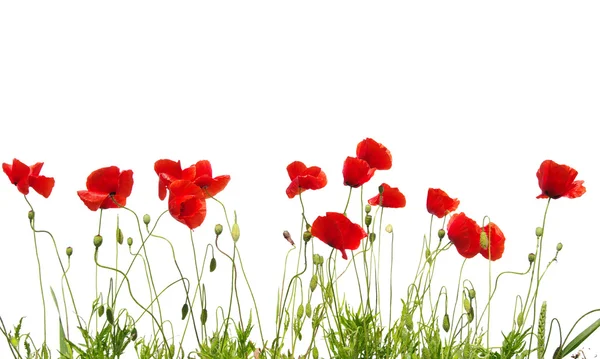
(336,230)
(105,186)
(24,176)
(439,203)
(376,154)
(304,178)
(558,181)
(390,197)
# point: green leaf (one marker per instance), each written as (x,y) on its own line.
(575,343)
(65,349)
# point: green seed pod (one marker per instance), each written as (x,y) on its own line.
(368,220)
(203,316)
(531,257)
(368,208)
(315,353)
(184,310)
(31,215)
(146,219)
(300,311)
(109,315)
(446,323)
(218,229)
(389,228)
(313,283)
(235,232)
(380,189)
(559,247)
(97,240)
(133,334)
(100,310)
(308,309)
(119,236)
(372,237)
(306,236)
(69,251)
(441,234)
(213,264)
(471,293)
(129,241)
(539,231)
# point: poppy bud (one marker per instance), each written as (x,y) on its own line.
(389,228)
(300,311)
(288,237)
(368,208)
(315,353)
(308,310)
(218,229)
(235,232)
(306,236)
(213,264)
(203,316)
(446,323)
(531,257)
(520,319)
(368,219)
(313,283)
(307,226)
(380,189)
(129,241)
(471,293)
(146,219)
(483,240)
(467,304)
(31,215)
(441,234)
(372,237)
(100,310)
(470,315)
(184,310)
(97,240)
(133,334)
(559,247)
(69,251)
(119,236)
(110,316)
(539,231)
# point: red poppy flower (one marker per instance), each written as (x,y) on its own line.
(187,203)
(204,179)
(558,181)
(304,178)
(496,241)
(356,172)
(465,234)
(104,183)
(391,198)
(24,176)
(376,155)
(338,231)
(439,203)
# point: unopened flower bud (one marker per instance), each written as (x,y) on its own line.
(470,315)
(213,264)
(203,316)
(372,237)
(446,323)
(313,283)
(441,234)
(466,304)
(119,236)
(133,334)
(110,315)
(306,236)
(146,219)
(129,241)
(315,353)
(307,226)
(300,311)
(472,293)
(368,219)
(69,251)
(97,240)
(100,310)
(288,237)
(531,257)
(308,310)
(235,232)
(389,228)
(520,319)
(559,247)
(368,208)
(184,310)
(539,231)
(31,215)
(218,229)
(483,240)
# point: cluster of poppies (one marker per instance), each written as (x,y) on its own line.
(188,189)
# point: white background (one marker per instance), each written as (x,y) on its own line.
(468,96)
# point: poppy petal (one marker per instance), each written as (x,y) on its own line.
(93,200)
(42,185)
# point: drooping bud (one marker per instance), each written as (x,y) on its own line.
(315,353)
(308,310)
(31,215)
(203,316)
(470,315)
(110,316)
(218,229)
(97,240)
(531,257)
(101,310)
(559,247)
(300,311)
(184,310)
(235,232)
(213,264)
(368,219)
(119,236)
(288,237)
(372,237)
(539,231)
(466,304)
(472,293)
(133,334)
(368,208)
(520,319)
(441,234)
(313,283)
(69,251)
(483,240)
(129,241)
(306,236)
(146,219)
(389,228)
(446,323)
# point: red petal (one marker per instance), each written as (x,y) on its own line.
(390,198)
(36,168)
(356,172)
(92,200)
(577,190)
(217,185)
(203,168)
(338,231)
(42,185)
(376,154)
(168,168)
(125,184)
(104,180)
(295,169)
(496,241)
(439,203)
(464,233)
